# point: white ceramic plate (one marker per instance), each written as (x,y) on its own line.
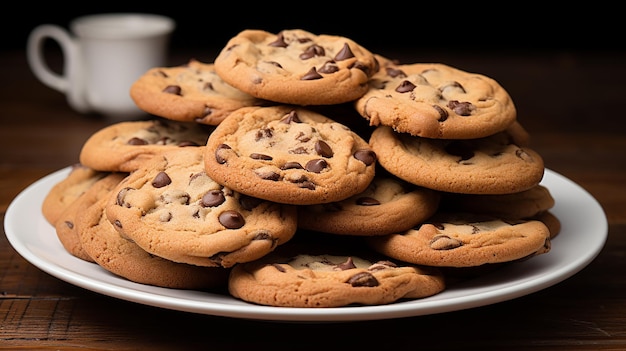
(582,237)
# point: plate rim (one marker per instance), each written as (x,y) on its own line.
(225,306)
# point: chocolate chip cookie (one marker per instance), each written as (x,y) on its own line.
(465,240)
(189,93)
(310,276)
(289,155)
(433,100)
(171,208)
(124,146)
(296,67)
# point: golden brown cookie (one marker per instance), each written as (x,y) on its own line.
(296,66)
(66,226)
(320,276)
(124,146)
(289,155)
(66,191)
(433,100)
(171,208)
(465,240)
(189,93)
(489,165)
(124,258)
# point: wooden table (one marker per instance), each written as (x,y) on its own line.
(572,103)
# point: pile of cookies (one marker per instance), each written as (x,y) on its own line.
(303,170)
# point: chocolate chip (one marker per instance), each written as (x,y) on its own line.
(444,242)
(136,141)
(363,279)
(307,185)
(231,219)
(365,155)
(292,165)
(267,174)
(349,264)
(367,201)
(323,149)
(221,160)
(316,166)
(263,133)
(278,267)
(121,196)
(329,67)
(312,51)
(344,54)
(461,108)
(279,42)
(291,117)
(173,89)
(69,224)
(311,75)
(380,265)
(256,156)
(249,202)
(361,66)
(212,198)
(161,180)
(394,72)
(443,114)
(405,87)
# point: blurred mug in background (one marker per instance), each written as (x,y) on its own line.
(103,55)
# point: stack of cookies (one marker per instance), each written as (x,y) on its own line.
(303,170)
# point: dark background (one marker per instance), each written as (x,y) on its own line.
(206,26)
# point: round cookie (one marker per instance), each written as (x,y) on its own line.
(126,259)
(490,165)
(66,227)
(65,192)
(296,66)
(320,277)
(524,204)
(465,240)
(124,146)
(436,101)
(289,155)
(188,93)
(388,205)
(172,209)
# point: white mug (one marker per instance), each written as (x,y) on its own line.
(103,55)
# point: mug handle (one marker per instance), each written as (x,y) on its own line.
(69,82)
